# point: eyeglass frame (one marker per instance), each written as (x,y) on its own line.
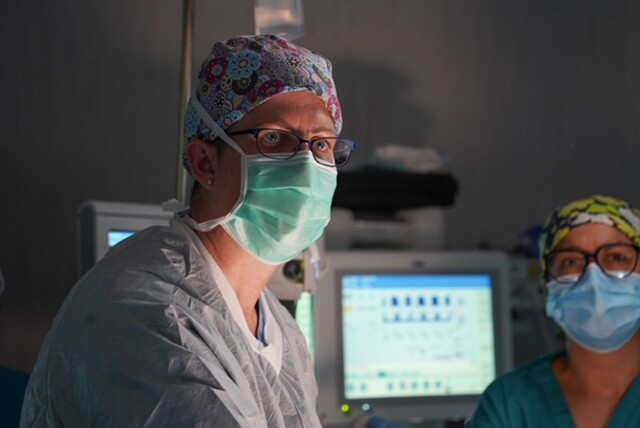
(588,257)
(256,131)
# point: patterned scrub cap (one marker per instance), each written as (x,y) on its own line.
(243,72)
(595,209)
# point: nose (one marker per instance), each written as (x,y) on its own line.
(304,145)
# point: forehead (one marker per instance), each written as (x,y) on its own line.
(291,110)
(588,237)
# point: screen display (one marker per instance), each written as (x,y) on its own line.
(417,334)
(115,236)
(305,317)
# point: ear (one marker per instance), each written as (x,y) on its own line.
(202,157)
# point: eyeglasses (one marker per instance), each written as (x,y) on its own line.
(279,144)
(615,260)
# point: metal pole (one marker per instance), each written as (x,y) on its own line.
(185,92)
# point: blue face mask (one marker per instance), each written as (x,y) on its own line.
(598,312)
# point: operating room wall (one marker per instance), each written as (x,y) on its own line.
(532,102)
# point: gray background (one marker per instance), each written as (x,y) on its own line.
(533,102)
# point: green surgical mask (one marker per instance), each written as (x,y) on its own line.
(283,206)
(283,209)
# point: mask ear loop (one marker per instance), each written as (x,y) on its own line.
(209,225)
(212,125)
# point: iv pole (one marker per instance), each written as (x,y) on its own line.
(185,88)
(188,13)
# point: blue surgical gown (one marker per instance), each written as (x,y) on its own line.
(531,396)
(154,336)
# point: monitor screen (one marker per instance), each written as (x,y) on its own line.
(306,319)
(115,236)
(410,336)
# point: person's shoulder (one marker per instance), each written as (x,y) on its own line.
(147,271)
(542,363)
(517,398)
(157,253)
(524,382)
(161,240)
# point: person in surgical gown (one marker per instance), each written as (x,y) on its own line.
(589,251)
(175,326)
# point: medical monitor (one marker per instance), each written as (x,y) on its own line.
(412,337)
(102,224)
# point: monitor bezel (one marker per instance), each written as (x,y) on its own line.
(329,368)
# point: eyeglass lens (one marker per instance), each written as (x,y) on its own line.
(282,145)
(615,260)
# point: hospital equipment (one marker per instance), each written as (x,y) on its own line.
(102,224)
(409,336)
(383,208)
(412,337)
(284,18)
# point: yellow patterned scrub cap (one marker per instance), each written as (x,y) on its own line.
(595,209)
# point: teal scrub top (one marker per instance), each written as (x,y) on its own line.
(12,386)
(531,396)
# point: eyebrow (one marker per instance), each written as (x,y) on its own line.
(575,248)
(313,131)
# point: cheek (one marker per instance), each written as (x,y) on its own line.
(235,179)
(231,173)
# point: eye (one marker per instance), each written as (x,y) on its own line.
(273,141)
(566,263)
(618,256)
(321,146)
(270,137)
(569,260)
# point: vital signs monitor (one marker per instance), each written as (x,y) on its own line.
(410,336)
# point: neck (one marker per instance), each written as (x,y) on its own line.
(610,373)
(247,275)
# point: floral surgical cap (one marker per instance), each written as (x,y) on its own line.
(595,209)
(243,72)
